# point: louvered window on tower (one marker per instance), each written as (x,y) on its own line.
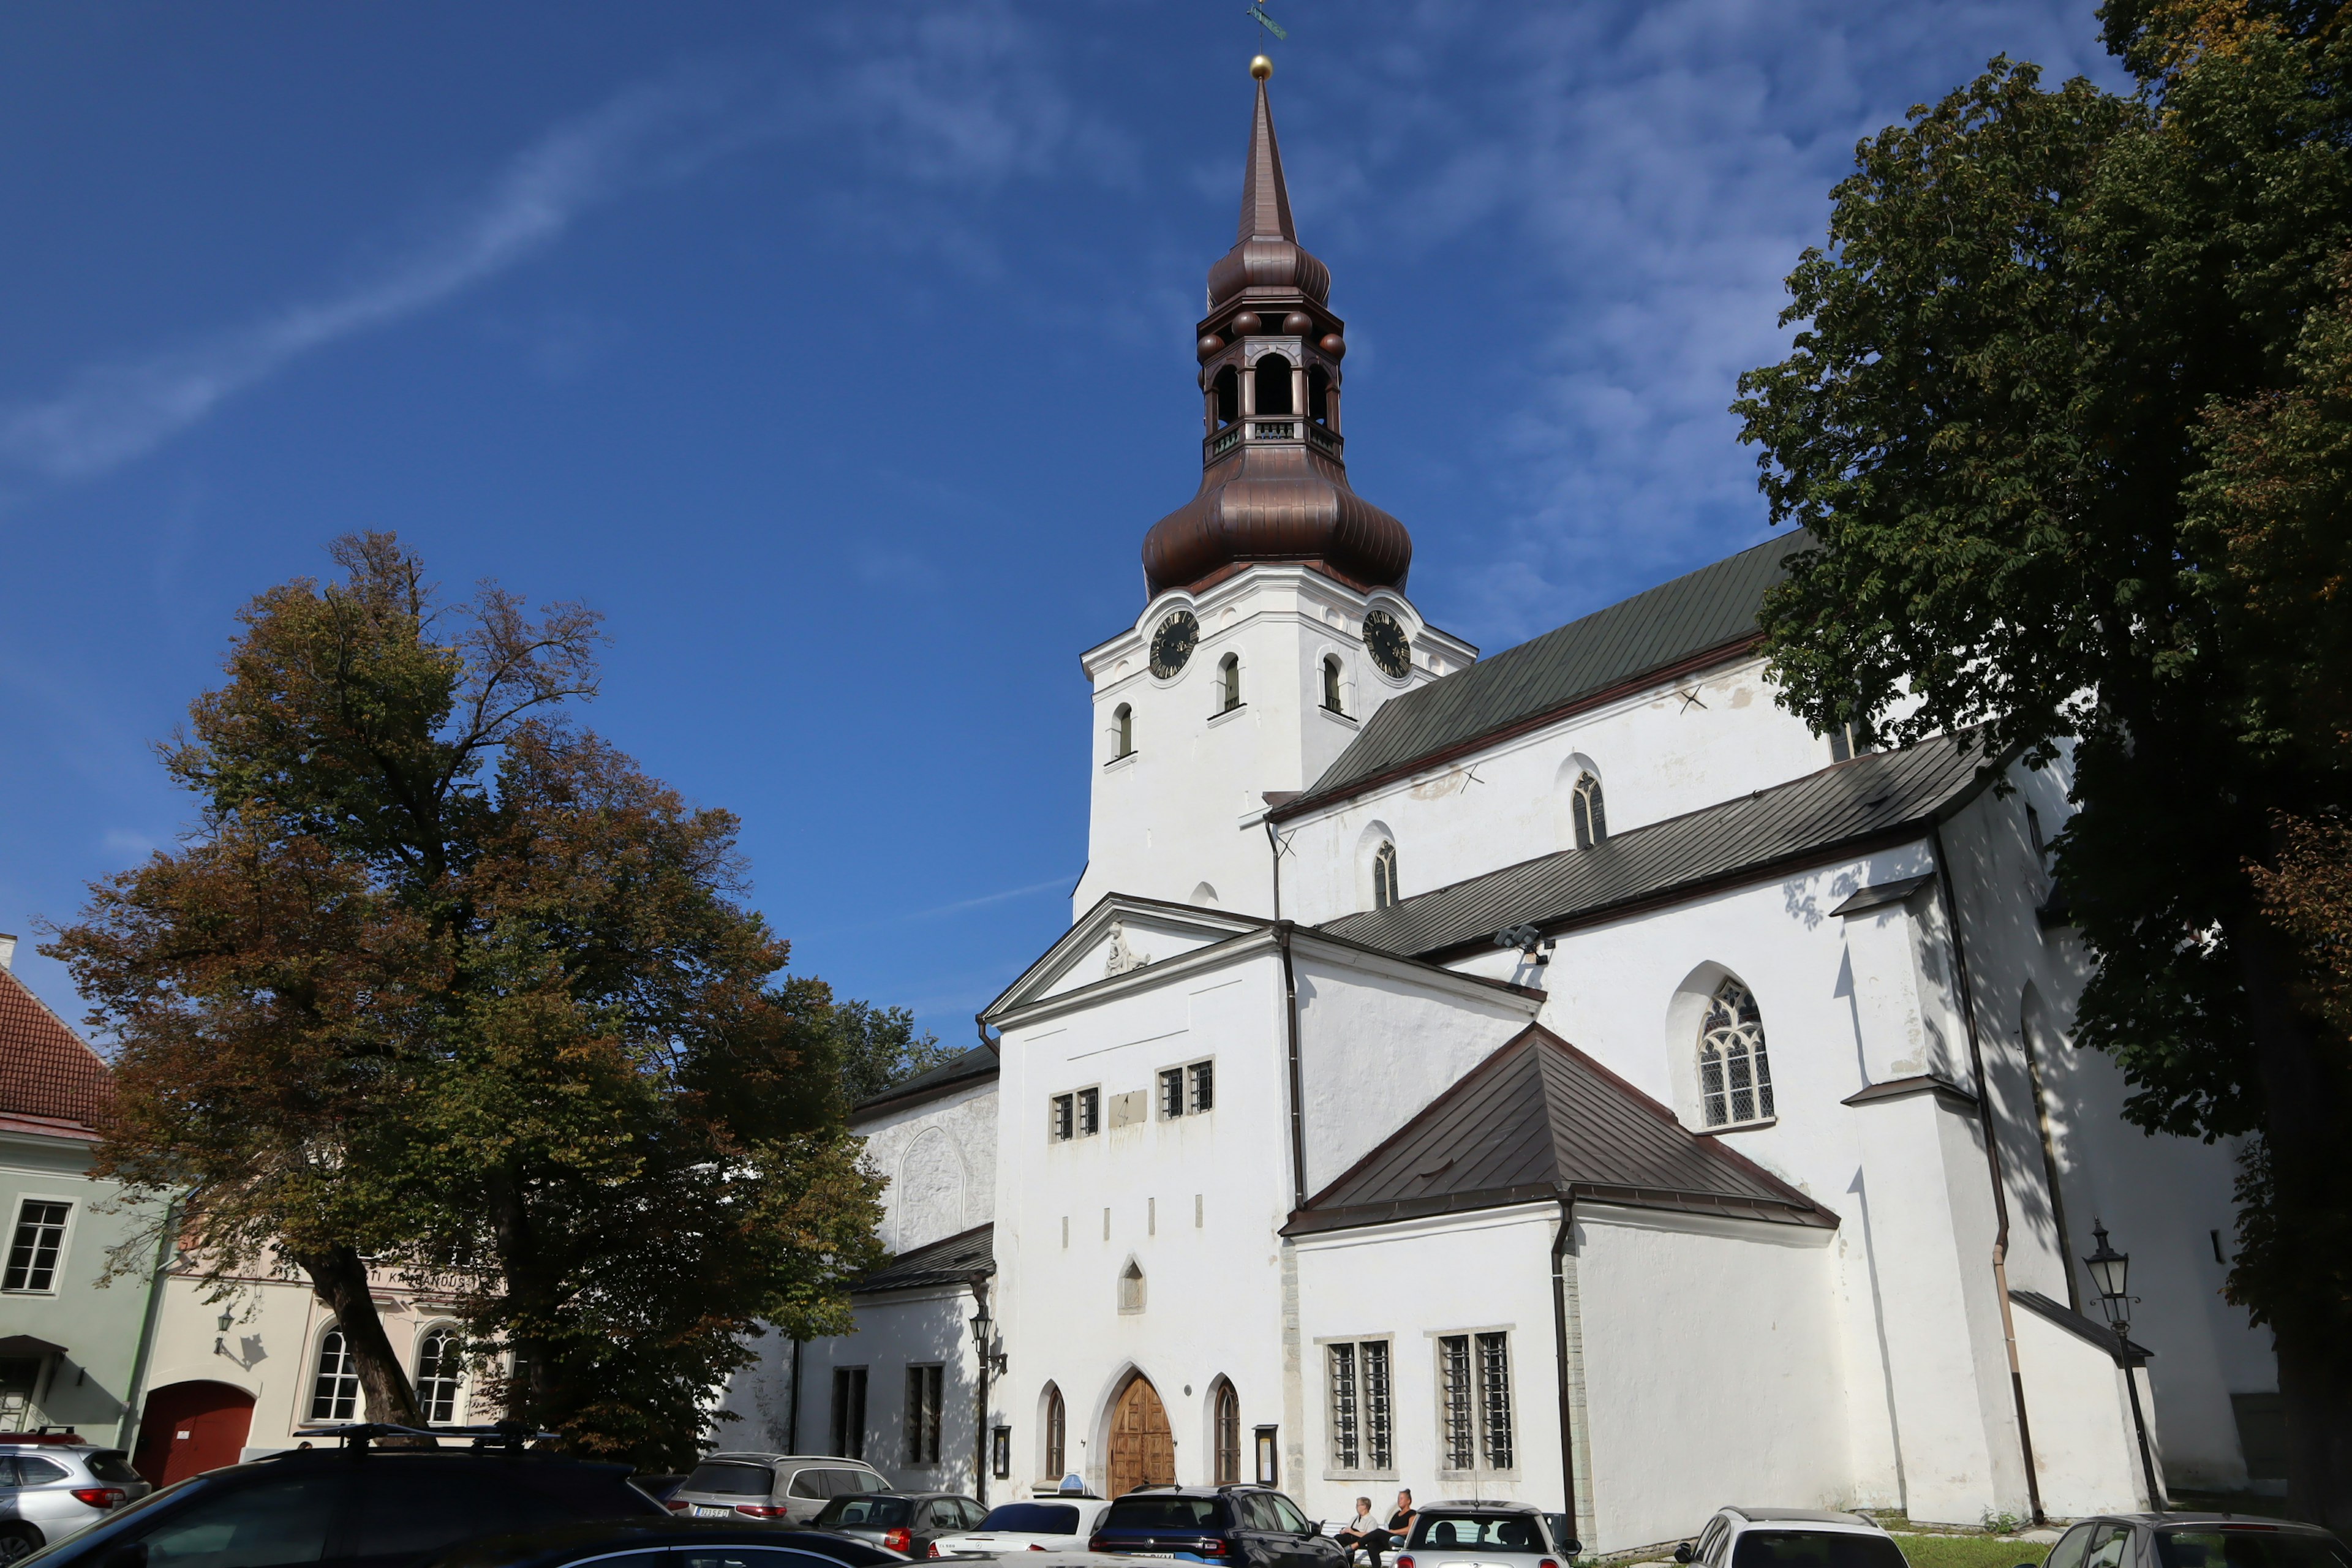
(1229,682)
(1735,1077)
(1331,683)
(1122,720)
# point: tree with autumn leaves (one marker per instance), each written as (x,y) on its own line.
(445,985)
(2069,416)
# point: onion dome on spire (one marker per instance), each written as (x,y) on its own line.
(1273,479)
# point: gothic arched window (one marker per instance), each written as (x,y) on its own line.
(1735,1078)
(1584,807)
(1122,721)
(1272,374)
(335,1381)
(1229,1435)
(1229,683)
(1331,683)
(1384,875)
(439,1360)
(1130,1286)
(1057,1433)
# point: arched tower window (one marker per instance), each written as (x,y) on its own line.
(1130,1286)
(1584,808)
(335,1381)
(1122,721)
(1227,389)
(1228,1421)
(439,1362)
(1331,683)
(1319,394)
(1057,1433)
(1735,1078)
(1229,683)
(1384,875)
(1272,374)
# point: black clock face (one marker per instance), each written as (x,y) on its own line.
(1171,645)
(1385,639)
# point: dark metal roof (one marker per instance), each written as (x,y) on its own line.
(1540,1119)
(1868,798)
(2075,1323)
(957,1259)
(1703,613)
(979,1062)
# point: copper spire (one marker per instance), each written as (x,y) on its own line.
(1274,480)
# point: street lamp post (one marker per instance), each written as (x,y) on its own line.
(2111,1272)
(984,1331)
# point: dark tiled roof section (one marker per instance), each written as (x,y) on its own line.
(1709,611)
(953,1261)
(1540,1119)
(1841,806)
(2074,1323)
(45,1069)
(975,1063)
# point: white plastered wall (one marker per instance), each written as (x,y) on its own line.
(2084,1447)
(939,1157)
(897,1330)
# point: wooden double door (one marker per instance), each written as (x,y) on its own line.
(1142,1449)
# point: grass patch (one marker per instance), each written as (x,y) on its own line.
(1969,1551)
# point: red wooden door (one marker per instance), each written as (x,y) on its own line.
(191,1427)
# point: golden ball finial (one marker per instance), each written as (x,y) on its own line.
(1261,67)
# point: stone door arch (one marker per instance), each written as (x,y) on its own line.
(1142,1449)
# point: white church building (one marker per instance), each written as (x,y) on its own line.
(1560,1075)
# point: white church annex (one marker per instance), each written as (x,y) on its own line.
(1560,1076)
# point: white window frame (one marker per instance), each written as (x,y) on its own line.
(1372,1415)
(1482,1432)
(350,1373)
(458,1393)
(1738,1046)
(64,1242)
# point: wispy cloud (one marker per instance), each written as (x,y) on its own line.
(981,902)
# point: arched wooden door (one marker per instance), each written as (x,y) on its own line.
(1142,1449)
(191,1427)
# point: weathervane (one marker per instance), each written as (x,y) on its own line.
(1265,23)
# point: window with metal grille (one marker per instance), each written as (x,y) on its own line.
(1378,1449)
(1199,1088)
(1347,1447)
(1229,1435)
(849,1412)
(1089,1113)
(1360,1423)
(923,1390)
(335,1384)
(1735,1078)
(1057,1427)
(1062,1118)
(1495,1400)
(439,1362)
(40,1237)
(1457,1403)
(1171,1091)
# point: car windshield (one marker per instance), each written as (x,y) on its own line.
(1034,1518)
(2245,1547)
(846,1512)
(1814,1548)
(729,1479)
(1499,1532)
(1167,1513)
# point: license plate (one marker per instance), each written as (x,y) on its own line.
(701,1512)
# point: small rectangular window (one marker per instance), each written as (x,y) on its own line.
(1458,1429)
(1201,1087)
(34,1248)
(924,1385)
(1089,1113)
(1063,1120)
(1171,1091)
(1359,1408)
(849,1412)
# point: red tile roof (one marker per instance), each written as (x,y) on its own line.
(46,1071)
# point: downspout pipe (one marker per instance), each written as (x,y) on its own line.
(1283,931)
(1561,1243)
(793,1418)
(980,1415)
(1992,1166)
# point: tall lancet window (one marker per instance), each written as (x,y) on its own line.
(1229,683)
(1735,1078)
(1384,875)
(1122,731)
(1584,806)
(1331,683)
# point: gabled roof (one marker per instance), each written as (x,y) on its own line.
(1881,797)
(1696,619)
(972,1066)
(45,1070)
(1539,1120)
(956,1260)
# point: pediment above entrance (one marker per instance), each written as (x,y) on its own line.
(1120,936)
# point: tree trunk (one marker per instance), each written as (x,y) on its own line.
(339,1278)
(2306,1128)
(535,1396)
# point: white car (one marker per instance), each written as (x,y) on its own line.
(1040,1524)
(1790,1538)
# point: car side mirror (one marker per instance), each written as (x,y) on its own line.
(1684,1554)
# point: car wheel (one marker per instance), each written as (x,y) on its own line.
(19,1542)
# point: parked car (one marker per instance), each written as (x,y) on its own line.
(339,1508)
(902,1521)
(2196,1540)
(1044,1525)
(1794,1538)
(54,1488)
(792,1488)
(1247,1525)
(682,1542)
(1468,1532)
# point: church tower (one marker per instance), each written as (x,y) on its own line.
(1277,622)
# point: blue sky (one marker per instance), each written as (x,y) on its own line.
(841,356)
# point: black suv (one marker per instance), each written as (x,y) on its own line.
(1243,1525)
(351,1508)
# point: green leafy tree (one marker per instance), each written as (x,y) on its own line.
(879,1048)
(2061,420)
(444,987)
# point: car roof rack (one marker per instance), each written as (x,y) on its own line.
(65,1434)
(357,1436)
